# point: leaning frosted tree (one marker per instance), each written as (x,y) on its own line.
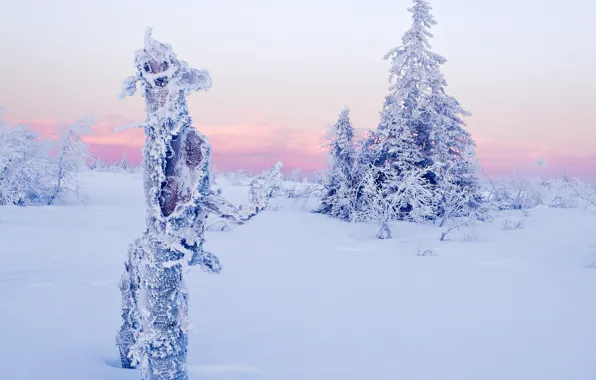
(175,167)
(72,154)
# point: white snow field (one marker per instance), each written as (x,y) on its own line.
(306,297)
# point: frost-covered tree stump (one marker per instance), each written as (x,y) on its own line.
(175,165)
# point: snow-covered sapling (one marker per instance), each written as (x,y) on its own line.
(239,178)
(295,175)
(124,165)
(294,190)
(72,154)
(425,252)
(511,225)
(307,192)
(457,202)
(469,222)
(266,187)
(338,200)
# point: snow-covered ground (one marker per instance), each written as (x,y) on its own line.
(306,297)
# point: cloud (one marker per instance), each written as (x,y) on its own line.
(506,159)
(250,147)
(256,146)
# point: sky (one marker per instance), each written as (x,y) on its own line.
(283,70)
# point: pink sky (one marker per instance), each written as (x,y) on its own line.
(526,77)
(257,146)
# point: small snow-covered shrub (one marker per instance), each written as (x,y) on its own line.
(306,192)
(454,200)
(425,252)
(469,235)
(516,195)
(525,194)
(239,178)
(266,187)
(511,225)
(571,193)
(295,175)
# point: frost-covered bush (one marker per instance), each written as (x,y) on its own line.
(303,193)
(511,224)
(294,176)
(569,193)
(71,156)
(26,169)
(266,186)
(514,194)
(456,201)
(39,171)
(239,178)
(294,184)
(404,197)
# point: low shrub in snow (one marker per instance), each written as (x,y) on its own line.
(266,186)
(515,194)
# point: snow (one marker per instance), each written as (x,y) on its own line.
(304,296)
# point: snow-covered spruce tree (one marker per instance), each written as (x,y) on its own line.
(175,166)
(400,143)
(72,154)
(412,65)
(418,98)
(337,200)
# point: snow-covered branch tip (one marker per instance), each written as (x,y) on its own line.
(129,126)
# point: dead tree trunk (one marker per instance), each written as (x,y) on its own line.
(176,177)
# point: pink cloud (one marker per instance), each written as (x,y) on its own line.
(506,159)
(258,146)
(248,147)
